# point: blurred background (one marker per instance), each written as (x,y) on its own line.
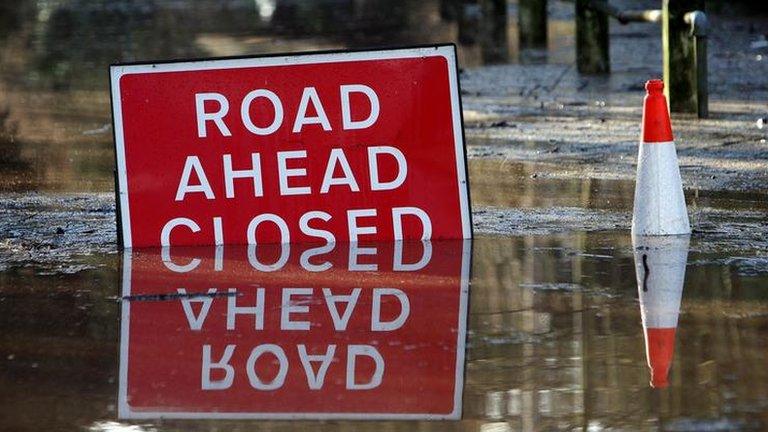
(55,127)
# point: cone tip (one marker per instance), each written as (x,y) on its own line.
(660,347)
(656,124)
(654,86)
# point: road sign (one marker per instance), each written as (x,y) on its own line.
(337,146)
(295,331)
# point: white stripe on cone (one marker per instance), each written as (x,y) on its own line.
(659,207)
(660,269)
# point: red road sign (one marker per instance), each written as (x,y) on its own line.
(295,331)
(339,146)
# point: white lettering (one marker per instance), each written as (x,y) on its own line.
(346,111)
(217,117)
(354,252)
(373,166)
(245,112)
(284,172)
(405,309)
(310,94)
(285,234)
(253,258)
(337,157)
(306,229)
(354,229)
(309,253)
(193,163)
(230,175)
(233,309)
(279,379)
(340,321)
(354,351)
(196,322)
(426,257)
(165,234)
(223,363)
(165,254)
(315,381)
(399,212)
(218,231)
(289,306)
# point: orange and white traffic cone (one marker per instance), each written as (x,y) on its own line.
(659,200)
(660,268)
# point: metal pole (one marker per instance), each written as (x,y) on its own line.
(626,16)
(592,44)
(697,21)
(652,16)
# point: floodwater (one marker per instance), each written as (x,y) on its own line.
(554,338)
(551,319)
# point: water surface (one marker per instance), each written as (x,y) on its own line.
(554,338)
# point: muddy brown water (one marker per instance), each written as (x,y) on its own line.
(554,340)
(552,336)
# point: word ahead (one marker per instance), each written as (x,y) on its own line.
(352,146)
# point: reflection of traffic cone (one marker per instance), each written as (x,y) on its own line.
(659,200)
(660,268)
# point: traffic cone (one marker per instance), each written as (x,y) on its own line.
(660,269)
(659,200)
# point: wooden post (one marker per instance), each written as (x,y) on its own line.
(450,10)
(469,14)
(494,41)
(592,44)
(532,23)
(680,76)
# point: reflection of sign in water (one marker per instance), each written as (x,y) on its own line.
(350,146)
(287,331)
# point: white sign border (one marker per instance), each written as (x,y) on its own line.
(447,51)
